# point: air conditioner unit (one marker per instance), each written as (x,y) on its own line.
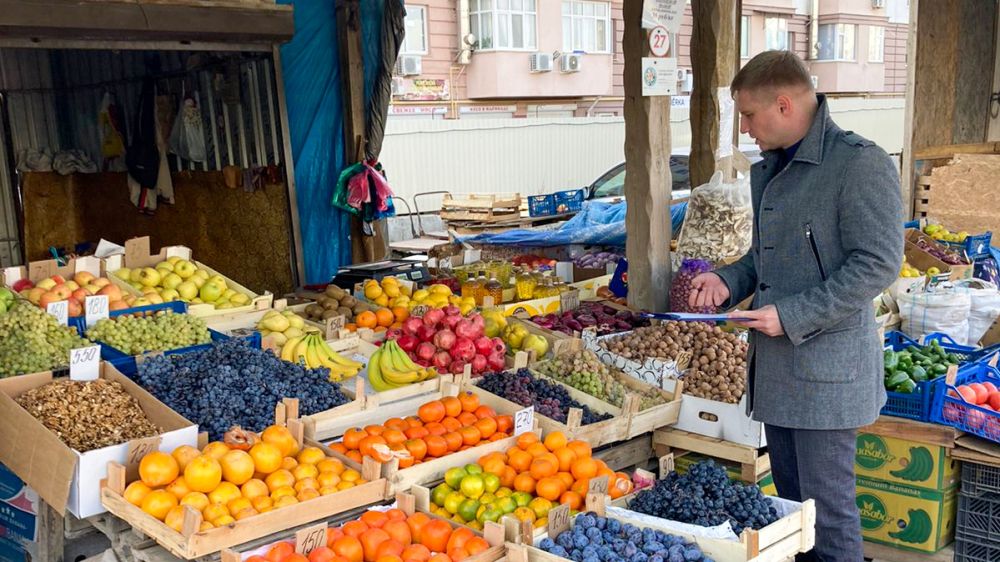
(540,62)
(878,4)
(815,81)
(407,65)
(687,82)
(570,63)
(397,86)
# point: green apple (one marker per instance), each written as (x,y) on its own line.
(218,280)
(210,292)
(172,260)
(149,277)
(239,299)
(171,280)
(124,274)
(184,268)
(169,295)
(134,276)
(187,290)
(165,265)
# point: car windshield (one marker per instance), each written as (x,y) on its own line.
(612,184)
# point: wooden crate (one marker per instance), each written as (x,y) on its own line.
(481,208)
(192,543)
(755,463)
(776,542)
(559,343)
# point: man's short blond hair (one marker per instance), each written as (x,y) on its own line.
(771,70)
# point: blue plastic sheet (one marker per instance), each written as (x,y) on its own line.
(598,223)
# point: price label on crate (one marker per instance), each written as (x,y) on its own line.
(85,363)
(598,485)
(570,300)
(96,308)
(558,519)
(666,465)
(60,310)
(524,420)
(310,538)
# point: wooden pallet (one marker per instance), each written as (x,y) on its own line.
(755,462)
(883,553)
(481,208)
(911,430)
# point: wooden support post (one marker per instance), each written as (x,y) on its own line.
(647,175)
(50,533)
(713,60)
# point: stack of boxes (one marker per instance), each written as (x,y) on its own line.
(906,492)
(977,531)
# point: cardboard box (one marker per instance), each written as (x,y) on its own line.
(138,254)
(917,465)
(889,510)
(38,270)
(922,260)
(64,478)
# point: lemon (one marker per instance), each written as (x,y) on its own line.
(439,289)
(420,295)
(372,291)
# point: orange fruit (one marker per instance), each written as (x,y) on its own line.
(524,483)
(175,518)
(322,554)
(307,494)
(452,406)
(526,439)
(158,469)
(435,534)
(398,530)
(224,492)
(505,424)
(475,545)
(354,528)
(366,319)
(327,479)
(396,423)
(437,446)
(417,448)
(267,457)
(353,437)
(304,471)
(280,435)
(436,428)
(572,499)
(389,558)
(433,411)
(285,501)
(158,503)
(350,548)
(370,540)
(494,465)
(439,557)
(459,537)
(306,483)
(451,423)
(536,450)
(549,488)
(196,500)
(214,511)
(416,432)
(338,447)
(374,429)
(470,401)
(467,419)
(471,435)
(458,554)
(236,505)
(375,519)
(237,467)
(542,468)
(389,547)
(555,440)
(567,479)
(566,457)
(262,503)
(135,492)
(365,446)
(310,455)
(279,479)
(215,449)
(453,440)
(393,436)
(417,552)
(485,412)
(184,454)
(280,551)
(519,460)
(203,474)
(508,476)
(355,455)
(254,488)
(416,523)
(400,313)
(486,426)
(580,448)
(384,317)
(333,465)
(178,487)
(584,468)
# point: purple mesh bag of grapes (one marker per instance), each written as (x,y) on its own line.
(681,286)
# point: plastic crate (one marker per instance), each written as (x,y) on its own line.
(979,479)
(979,518)
(970,550)
(570,201)
(948,407)
(968,354)
(917,404)
(976,246)
(541,205)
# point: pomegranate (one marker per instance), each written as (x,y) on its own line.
(452,310)
(484,345)
(426,333)
(499,345)
(496,361)
(457,367)
(466,329)
(411,325)
(408,342)
(433,316)
(442,359)
(463,350)
(426,350)
(444,339)
(451,321)
(479,364)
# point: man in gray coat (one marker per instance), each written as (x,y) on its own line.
(827,239)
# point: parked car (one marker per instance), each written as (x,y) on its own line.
(610,186)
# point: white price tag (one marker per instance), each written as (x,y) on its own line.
(60,310)
(85,363)
(96,308)
(524,420)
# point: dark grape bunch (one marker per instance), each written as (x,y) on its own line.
(549,399)
(598,539)
(706,496)
(232,383)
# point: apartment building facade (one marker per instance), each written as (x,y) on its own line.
(563,58)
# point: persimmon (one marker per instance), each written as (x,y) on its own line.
(322,554)
(417,448)
(454,440)
(416,523)
(469,400)
(436,428)
(396,514)
(366,319)
(536,449)
(452,423)
(414,421)
(135,492)
(471,435)
(485,412)
(374,429)
(353,437)
(452,406)
(279,479)
(432,411)
(486,426)
(355,455)
(406,462)
(475,545)
(497,437)
(158,503)
(333,465)
(467,418)
(389,558)
(396,423)
(282,437)
(398,530)
(524,483)
(439,557)
(505,423)
(416,432)
(393,436)
(375,519)
(354,528)
(365,446)
(267,457)
(338,447)
(459,537)
(280,551)
(238,466)
(332,534)
(384,317)
(494,465)
(295,557)
(435,534)
(436,446)
(388,547)
(350,548)
(416,552)
(184,454)
(458,554)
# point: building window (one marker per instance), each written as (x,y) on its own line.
(876,44)
(586,26)
(503,24)
(836,41)
(415,40)
(744,37)
(776,34)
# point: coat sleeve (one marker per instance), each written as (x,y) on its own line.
(741,279)
(871,233)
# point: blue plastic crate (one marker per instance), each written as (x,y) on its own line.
(541,205)
(968,354)
(948,407)
(570,201)
(976,246)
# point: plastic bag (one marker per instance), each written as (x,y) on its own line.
(944,308)
(984,307)
(680,287)
(187,138)
(719,220)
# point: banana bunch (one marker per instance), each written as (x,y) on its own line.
(918,529)
(919,468)
(390,367)
(314,353)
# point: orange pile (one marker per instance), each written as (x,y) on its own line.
(387,536)
(440,427)
(239,478)
(381,319)
(555,468)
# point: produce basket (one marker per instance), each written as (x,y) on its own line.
(192,543)
(949,408)
(967,353)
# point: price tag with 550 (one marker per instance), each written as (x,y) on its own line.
(85,363)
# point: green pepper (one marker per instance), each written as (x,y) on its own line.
(897,379)
(919,357)
(919,374)
(906,387)
(891,359)
(905,363)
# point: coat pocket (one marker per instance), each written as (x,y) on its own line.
(814,248)
(831,357)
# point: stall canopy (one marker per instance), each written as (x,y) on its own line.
(313,85)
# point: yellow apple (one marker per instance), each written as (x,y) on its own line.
(149,277)
(83,278)
(125,274)
(172,260)
(45,284)
(187,290)
(240,299)
(184,268)
(171,281)
(169,295)
(72,286)
(210,292)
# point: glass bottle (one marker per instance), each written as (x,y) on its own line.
(524,284)
(470,288)
(494,289)
(480,287)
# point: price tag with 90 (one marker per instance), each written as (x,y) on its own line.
(84,363)
(310,538)
(59,309)
(524,420)
(96,308)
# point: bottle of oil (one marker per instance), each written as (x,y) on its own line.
(480,287)
(494,289)
(470,288)
(524,284)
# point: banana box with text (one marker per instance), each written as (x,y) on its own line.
(918,465)
(904,517)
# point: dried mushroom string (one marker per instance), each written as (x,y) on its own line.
(88,415)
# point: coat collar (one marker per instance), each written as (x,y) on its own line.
(811,148)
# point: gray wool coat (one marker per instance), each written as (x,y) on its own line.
(827,239)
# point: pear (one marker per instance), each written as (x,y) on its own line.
(239,299)
(293,333)
(276,322)
(296,321)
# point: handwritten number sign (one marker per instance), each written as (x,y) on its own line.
(524,420)
(96,308)
(310,538)
(60,310)
(84,363)
(558,520)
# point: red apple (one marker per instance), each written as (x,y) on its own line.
(48,298)
(81,294)
(22,284)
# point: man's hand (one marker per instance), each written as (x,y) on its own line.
(765,320)
(707,289)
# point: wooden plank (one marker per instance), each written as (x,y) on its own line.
(706,445)
(714,45)
(974,70)
(289,164)
(934,72)
(482,201)
(884,553)
(977,450)
(50,533)
(635,451)
(648,179)
(488,215)
(910,430)
(949,150)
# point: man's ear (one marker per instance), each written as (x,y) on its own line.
(784,104)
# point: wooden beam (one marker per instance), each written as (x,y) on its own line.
(286,146)
(647,178)
(974,70)
(714,55)
(906,173)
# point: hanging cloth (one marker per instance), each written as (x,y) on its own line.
(109,126)
(143,155)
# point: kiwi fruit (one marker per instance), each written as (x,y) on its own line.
(344,311)
(348,301)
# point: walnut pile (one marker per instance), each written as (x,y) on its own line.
(88,415)
(717,370)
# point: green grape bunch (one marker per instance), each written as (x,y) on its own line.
(32,340)
(584,371)
(162,331)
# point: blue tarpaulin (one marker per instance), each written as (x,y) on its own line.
(598,224)
(312,81)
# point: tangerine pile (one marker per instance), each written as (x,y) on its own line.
(440,428)
(387,536)
(230,482)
